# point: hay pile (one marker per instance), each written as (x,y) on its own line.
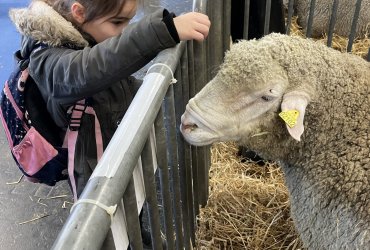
(248,206)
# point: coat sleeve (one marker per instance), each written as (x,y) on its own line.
(67,75)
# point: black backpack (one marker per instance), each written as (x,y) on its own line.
(38,146)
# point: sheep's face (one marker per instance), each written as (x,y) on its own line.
(223,113)
(242,103)
(231,108)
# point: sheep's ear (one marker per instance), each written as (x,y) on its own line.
(293,108)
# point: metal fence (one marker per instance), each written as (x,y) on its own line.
(147,162)
(269,12)
(333,19)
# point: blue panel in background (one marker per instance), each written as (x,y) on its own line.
(9,37)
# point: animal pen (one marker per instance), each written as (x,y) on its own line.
(148,163)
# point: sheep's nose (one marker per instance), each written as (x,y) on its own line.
(189,126)
(187,123)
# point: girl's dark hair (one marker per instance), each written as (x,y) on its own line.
(93,8)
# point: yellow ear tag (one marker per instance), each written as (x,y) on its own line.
(290,117)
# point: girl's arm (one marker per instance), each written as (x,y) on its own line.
(69,75)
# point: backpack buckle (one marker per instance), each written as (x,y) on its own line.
(23,64)
(77,111)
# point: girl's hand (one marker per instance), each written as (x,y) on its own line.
(192,25)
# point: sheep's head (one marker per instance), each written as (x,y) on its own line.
(243,102)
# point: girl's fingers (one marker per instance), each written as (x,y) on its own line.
(204,20)
(192,26)
(198,36)
(204,29)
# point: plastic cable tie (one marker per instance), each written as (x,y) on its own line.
(110,210)
(173,80)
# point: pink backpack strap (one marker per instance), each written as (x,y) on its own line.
(98,134)
(71,138)
(8,94)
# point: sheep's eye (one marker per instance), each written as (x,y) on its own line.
(266,98)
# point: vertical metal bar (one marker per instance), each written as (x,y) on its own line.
(151,196)
(218,43)
(200,82)
(199,170)
(187,162)
(194,157)
(310,18)
(170,125)
(190,49)
(211,36)
(200,6)
(290,15)
(207,164)
(200,76)
(354,25)
(333,19)
(266,26)
(189,192)
(179,110)
(133,225)
(247,5)
(186,169)
(164,179)
(202,175)
(192,92)
(215,44)
(200,50)
(189,90)
(185,78)
(226,34)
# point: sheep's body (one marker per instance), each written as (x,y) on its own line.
(328,171)
(345,13)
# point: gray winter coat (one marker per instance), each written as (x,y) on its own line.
(70,69)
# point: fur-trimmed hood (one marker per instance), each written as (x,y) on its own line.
(42,23)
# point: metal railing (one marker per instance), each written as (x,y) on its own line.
(147,159)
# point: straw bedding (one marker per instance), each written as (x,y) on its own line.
(248,205)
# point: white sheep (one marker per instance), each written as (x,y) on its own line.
(324,155)
(322,14)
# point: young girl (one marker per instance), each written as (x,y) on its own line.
(87,48)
